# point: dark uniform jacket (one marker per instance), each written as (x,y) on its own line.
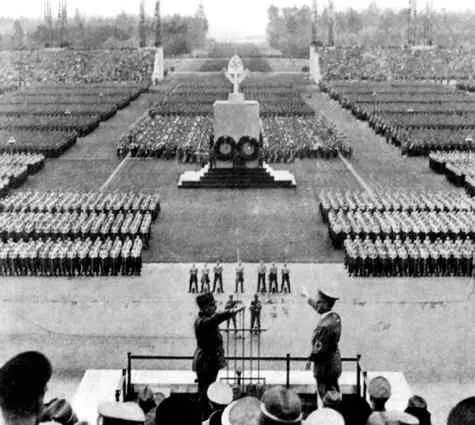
(209,354)
(325,353)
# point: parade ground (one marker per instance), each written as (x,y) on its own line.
(420,326)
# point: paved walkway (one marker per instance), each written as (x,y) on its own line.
(420,326)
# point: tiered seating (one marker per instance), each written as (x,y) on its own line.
(383,233)
(68,233)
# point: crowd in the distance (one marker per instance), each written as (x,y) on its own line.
(360,63)
(24,381)
(75,66)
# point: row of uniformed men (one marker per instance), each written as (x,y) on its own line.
(409,258)
(56,225)
(86,201)
(239,280)
(394,201)
(71,257)
(407,225)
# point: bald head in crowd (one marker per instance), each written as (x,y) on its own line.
(463,413)
(23,384)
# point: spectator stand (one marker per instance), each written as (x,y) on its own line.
(108,385)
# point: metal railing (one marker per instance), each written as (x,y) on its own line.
(127,385)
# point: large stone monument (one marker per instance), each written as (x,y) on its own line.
(236,148)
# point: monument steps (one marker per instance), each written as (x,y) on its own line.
(241,178)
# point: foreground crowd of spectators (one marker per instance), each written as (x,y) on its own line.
(25,377)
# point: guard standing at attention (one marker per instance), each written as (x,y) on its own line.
(285,274)
(205,279)
(255,309)
(273,284)
(193,285)
(261,277)
(239,278)
(218,278)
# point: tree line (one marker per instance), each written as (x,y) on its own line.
(179,34)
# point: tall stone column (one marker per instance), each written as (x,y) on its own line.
(158,66)
(314,65)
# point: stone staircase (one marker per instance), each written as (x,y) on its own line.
(237,178)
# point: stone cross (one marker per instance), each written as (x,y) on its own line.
(236,73)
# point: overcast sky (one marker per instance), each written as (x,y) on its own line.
(226,17)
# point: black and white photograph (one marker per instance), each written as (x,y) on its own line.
(237,212)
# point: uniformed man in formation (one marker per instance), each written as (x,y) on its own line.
(239,283)
(218,278)
(273,284)
(230,304)
(285,274)
(387,257)
(193,284)
(255,309)
(205,280)
(261,277)
(71,257)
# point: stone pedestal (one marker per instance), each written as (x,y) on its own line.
(158,66)
(314,64)
(236,119)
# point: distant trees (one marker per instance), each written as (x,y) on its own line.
(289,29)
(179,34)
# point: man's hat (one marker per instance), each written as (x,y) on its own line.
(220,393)
(25,376)
(245,411)
(282,405)
(204,300)
(118,412)
(324,416)
(328,293)
(379,387)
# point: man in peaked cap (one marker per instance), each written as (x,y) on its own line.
(325,416)
(220,395)
(209,358)
(325,354)
(279,406)
(114,413)
(23,381)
